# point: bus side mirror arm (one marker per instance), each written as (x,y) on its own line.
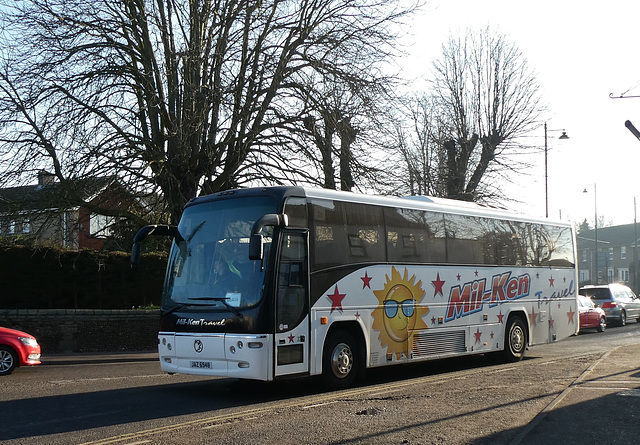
(143,233)
(256,250)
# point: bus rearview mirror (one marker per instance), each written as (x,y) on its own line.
(135,254)
(156,230)
(256,251)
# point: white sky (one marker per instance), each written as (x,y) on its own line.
(581,52)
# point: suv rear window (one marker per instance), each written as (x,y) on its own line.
(598,294)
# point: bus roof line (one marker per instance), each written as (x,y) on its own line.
(445,205)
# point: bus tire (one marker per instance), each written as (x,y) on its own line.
(515,341)
(340,361)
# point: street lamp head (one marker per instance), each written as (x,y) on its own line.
(563,135)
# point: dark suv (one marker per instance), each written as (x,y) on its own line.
(618,301)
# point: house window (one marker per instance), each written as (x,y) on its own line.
(12,227)
(623,275)
(584,275)
(100,225)
(584,256)
(623,252)
(610,253)
(26,226)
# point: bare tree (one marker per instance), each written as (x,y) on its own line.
(347,112)
(176,97)
(418,133)
(484,96)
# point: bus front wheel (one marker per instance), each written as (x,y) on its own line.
(515,341)
(340,361)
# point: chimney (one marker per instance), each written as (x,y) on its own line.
(45,178)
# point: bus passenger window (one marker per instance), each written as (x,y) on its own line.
(409,246)
(296,210)
(415,235)
(469,239)
(356,246)
(555,246)
(344,231)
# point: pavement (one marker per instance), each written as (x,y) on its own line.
(101,357)
(601,406)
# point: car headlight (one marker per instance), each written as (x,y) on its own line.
(28,341)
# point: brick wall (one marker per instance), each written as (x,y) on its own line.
(86,330)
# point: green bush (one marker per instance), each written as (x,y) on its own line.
(53,278)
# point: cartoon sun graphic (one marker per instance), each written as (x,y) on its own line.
(398,314)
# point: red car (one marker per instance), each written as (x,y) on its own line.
(590,315)
(17,348)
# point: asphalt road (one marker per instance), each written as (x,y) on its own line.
(581,390)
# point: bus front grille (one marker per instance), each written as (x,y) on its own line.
(427,343)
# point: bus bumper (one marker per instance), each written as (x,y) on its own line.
(220,355)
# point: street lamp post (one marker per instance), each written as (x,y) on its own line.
(595,210)
(546,175)
(635,246)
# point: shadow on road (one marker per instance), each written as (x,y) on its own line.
(76,412)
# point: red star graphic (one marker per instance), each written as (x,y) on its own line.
(491,334)
(438,283)
(366,281)
(537,275)
(551,280)
(500,317)
(534,316)
(476,273)
(357,315)
(336,299)
(570,314)
(458,277)
(551,322)
(478,334)
(291,338)
(433,320)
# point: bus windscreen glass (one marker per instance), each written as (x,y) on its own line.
(210,266)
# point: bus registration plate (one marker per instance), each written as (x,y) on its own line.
(203,365)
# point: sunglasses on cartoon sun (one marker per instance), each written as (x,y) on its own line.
(391,307)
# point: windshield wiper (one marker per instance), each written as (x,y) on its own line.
(196,230)
(182,305)
(222,300)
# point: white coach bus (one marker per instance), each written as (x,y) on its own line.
(274,282)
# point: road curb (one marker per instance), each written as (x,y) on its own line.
(97,358)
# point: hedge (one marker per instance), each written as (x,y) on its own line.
(52,278)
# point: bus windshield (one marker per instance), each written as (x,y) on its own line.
(210,265)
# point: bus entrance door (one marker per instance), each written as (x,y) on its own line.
(292,305)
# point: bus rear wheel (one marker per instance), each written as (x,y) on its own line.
(515,341)
(340,361)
